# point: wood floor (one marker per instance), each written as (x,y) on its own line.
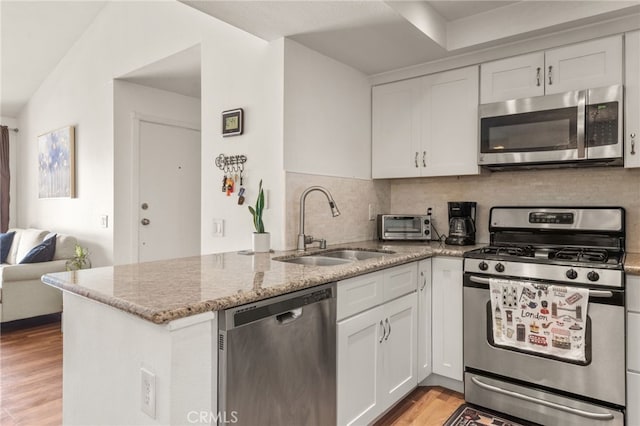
(31,373)
(425,406)
(31,382)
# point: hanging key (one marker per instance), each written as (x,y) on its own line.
(241,196)
(224,183)
(229,186)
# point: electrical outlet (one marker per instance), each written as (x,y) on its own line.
(148,392)
(104,221)
(372,212)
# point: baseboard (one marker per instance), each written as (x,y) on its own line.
(445,382)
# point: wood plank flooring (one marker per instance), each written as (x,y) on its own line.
(31,373)
(31,382)
(425,406)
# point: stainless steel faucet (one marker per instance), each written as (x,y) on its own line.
(303,239)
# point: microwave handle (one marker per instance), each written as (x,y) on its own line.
(582,105)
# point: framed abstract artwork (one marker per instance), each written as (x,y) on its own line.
(56,164)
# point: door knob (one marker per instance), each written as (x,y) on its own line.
(145,221)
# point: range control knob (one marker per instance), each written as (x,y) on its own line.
(593,276)
(572,274)
(483,266)
(500,267)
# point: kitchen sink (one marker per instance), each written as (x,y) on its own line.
(355,254)
(315,260)
(333,257)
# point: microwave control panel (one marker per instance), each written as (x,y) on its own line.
(602,124)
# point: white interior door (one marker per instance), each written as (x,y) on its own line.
(169,192)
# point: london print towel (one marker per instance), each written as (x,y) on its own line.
(548,319)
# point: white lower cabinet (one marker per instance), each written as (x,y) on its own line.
(633,396)
(424,319)
(447,317)
(633,350)
(377,348)
(359,363)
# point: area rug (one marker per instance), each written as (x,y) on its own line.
(468,415)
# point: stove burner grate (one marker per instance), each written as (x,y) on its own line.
(581,255)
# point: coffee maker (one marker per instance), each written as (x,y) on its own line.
(462,223)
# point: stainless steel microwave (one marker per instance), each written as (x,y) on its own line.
(404,227)
(572,128)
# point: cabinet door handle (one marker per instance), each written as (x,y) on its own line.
(424,158)
(538,77)
(424,281)
(550,75)
(416,159)
(389,332)
(633,143)
(384,332)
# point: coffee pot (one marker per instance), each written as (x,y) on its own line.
(462,223)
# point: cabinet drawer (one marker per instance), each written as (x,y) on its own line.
(400,280)
(633,341)
(633,293)
(358,294)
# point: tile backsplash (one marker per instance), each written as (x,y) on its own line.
(352,196)
(562,187)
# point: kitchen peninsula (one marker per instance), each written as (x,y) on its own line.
(159,319)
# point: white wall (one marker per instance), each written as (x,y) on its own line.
(327,124)
(14,144)
(250,79)
(134,100)
(238,70)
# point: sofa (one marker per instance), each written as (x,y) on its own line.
(22,293)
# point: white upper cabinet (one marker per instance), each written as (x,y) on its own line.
(590,64)
(632,100)
(512,78)
(426,126)
(396,128)
(450,124)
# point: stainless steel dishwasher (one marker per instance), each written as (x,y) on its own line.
(277,360)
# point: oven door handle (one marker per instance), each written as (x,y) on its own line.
(479,280)
(592,293)
(517,395)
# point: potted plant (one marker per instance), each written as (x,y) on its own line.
(80,260)
(261,239)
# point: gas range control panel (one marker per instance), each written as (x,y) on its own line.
(567,275)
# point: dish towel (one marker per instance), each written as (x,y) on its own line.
(547,319)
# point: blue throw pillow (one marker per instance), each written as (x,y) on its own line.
(43,252)
(5,245)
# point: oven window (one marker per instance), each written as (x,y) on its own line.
(403,225)
(548,130)
(538,354)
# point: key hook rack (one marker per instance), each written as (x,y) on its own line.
(231,163)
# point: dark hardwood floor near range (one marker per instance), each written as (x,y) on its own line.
(31,382)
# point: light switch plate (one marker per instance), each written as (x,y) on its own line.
(104,221)
(218,228)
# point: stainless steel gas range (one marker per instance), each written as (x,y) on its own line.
(534,347)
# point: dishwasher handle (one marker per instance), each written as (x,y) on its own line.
(288,317)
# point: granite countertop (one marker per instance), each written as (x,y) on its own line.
(632,263)
(167,290)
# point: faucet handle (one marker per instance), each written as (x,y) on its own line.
(323,243)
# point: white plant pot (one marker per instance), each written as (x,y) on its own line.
(261,242)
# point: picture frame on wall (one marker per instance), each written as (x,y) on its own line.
(57,164)
(232,122)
